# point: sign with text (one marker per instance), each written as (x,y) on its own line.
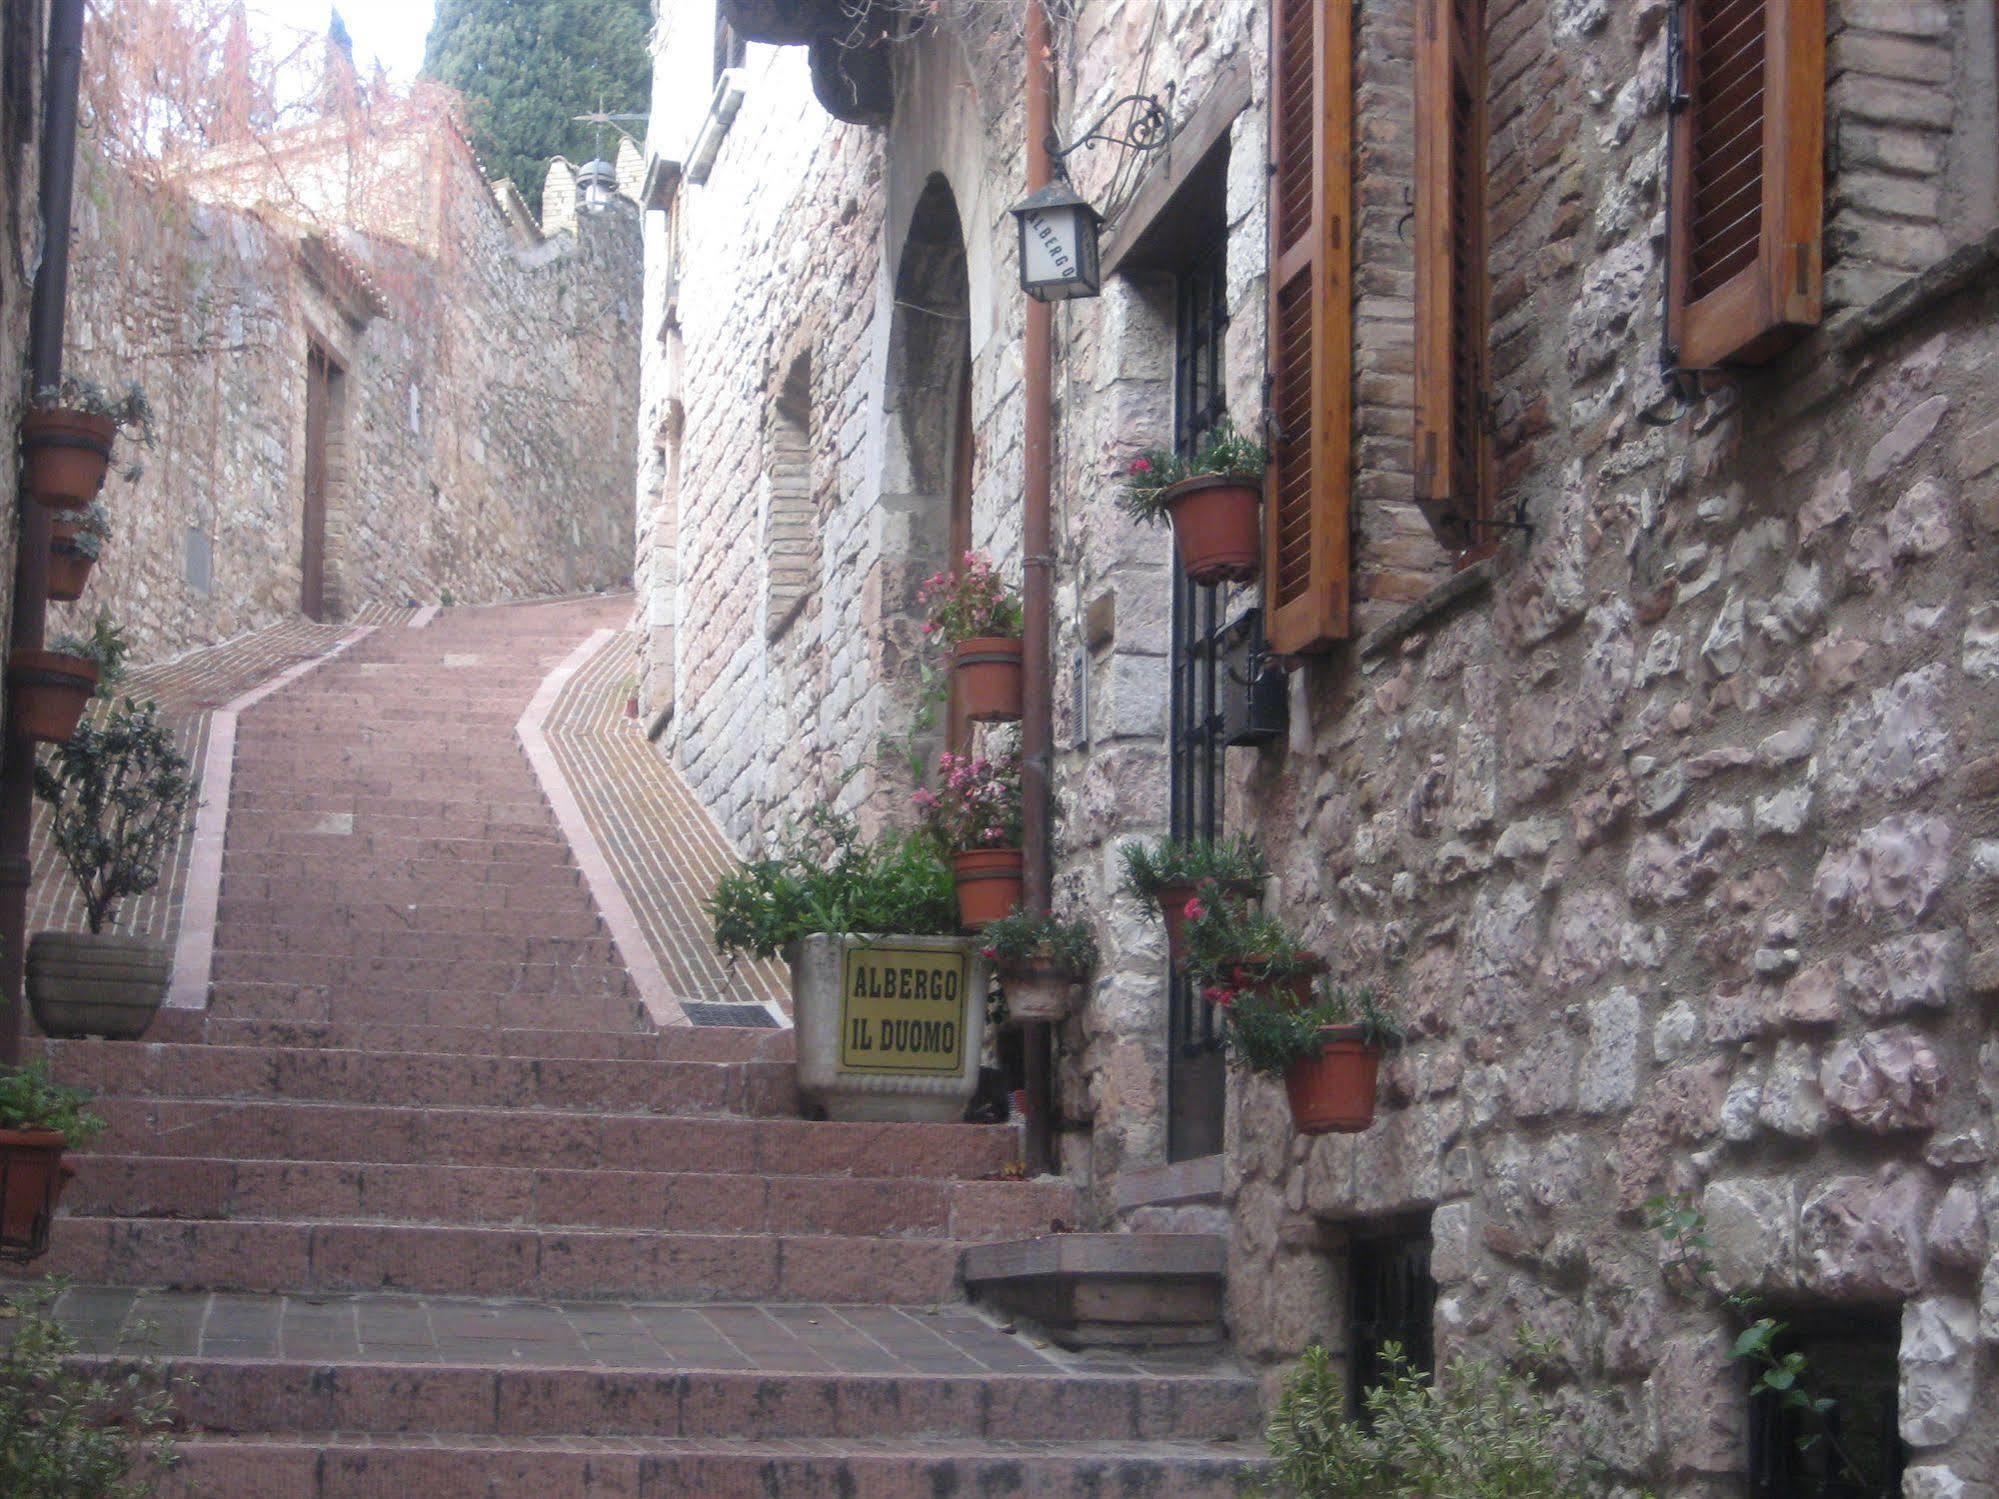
(902,1009)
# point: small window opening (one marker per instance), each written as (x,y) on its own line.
(1853,1451)
(1390,1302)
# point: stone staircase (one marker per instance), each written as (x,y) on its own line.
(424,1199)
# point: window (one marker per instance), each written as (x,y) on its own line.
(1454,476)
(1390,1298)
(1748,186)
(1195,1081)
(791,522)
(1856,1451)
(1307,542)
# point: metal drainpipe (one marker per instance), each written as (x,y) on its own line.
(1037,589)
(31,558)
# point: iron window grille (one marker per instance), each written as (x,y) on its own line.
(1391,1299)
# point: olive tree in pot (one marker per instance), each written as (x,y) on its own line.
(39,1120)
(117,793)
(888,1000)
(1040,960)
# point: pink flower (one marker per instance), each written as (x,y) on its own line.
(1219,997)
(1141,465)
(989,953)
(1194,910)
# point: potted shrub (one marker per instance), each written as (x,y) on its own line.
(39,1120)
(978,616)
(1168,874)
(66,439)
(975,814)
(889,1001)
(1213,501)
(117,793)
(76,541)
(49,688)
(1040,961)
(1234,949)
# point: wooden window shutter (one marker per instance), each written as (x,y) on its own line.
(1453,458)
(1748,187)
(1307,544)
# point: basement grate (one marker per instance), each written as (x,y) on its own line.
(751,1017)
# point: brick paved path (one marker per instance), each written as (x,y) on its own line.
(423,1201)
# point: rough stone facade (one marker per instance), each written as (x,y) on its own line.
(480,435)
(1667,828)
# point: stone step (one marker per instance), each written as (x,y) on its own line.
(346,1467)
(334,1257)
(448,878)
(441,977)
(384,915)
(680,1043)
(317,802)
(262,828)
(349,1004)
(358,843)
(421,1080)
(354,1133)
(356,889)
(522,1196)
(1122,1290)
(332,947)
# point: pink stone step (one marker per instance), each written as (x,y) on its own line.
(415,1079)
(514,942)
(343,1467)
(389,1398)
(331,1257)
(430,871)
(349,889)
(353,1005)
(315,802)
(495,1196)
(364,918)
(452,973)
(707,1043)
(522,1137)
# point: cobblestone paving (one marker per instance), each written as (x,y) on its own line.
(661,843)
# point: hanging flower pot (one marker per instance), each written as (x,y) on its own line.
(69,571)
(64,455)
(76,540)
(986,670)
(989,884)
(1174,897)
(47,692)
(32,1178)
(1215,526)
(1293,989)
(1334,1092)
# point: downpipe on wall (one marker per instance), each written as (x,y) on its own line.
(31,553)
(1037,737)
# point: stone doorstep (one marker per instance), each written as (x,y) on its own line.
(1127,1290)
(1195,1183)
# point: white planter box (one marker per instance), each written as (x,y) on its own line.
(889,1028)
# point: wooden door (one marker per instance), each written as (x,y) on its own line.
(318,414)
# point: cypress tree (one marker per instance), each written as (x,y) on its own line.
(526,67)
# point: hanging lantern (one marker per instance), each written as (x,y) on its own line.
(1058,244)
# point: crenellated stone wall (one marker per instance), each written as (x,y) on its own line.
(482,438)
(1668,828)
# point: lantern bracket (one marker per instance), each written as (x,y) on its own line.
(1146,127)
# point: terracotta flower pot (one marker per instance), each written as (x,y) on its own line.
(32,1178)
(986,669)
(1215,526)
(1173,900)
(64,455)
(1038,990)
(47,692)
(1333,1093)
(68,573)
(989,881)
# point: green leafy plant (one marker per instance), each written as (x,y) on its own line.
(971,604)
(1265,1035)
(1475,1432)
(92,528)
(1228,863)
(977,803)
(105,645)
(825,878)
(1153,473)
(1776,1373)
(1231,947)
(130,410)
(1020,939)
(66,1433)
(30,1099)
(117,792)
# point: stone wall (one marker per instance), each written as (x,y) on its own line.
(1666,828)
(481,442)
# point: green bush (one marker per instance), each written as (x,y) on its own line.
(29,1099)
(1265,1037)
(1023,937)
(66,1434)
(117,792)
(1478,1432)
(826,878)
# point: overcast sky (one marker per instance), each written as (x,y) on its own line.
(389,30)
